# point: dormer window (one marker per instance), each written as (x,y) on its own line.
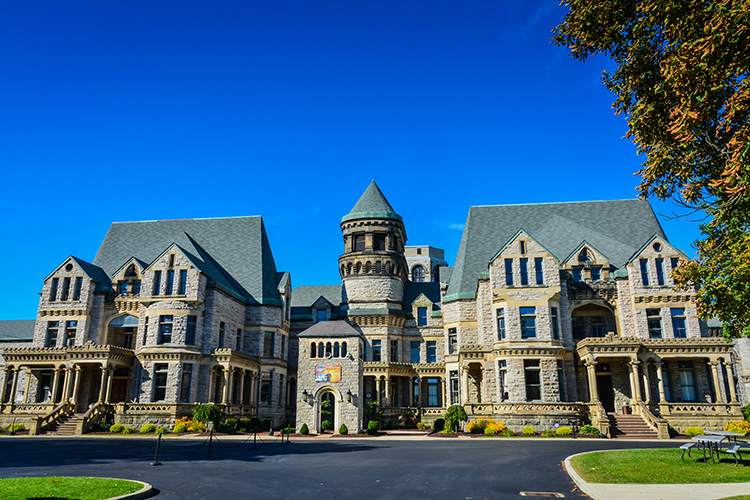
(122,288)
(421,316)
(417,274)
(583,256)
(522,246)
(321,315)
(596,273)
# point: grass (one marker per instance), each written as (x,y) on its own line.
(79,488)
(658,467)
(739,497)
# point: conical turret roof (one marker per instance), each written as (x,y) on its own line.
(372,204)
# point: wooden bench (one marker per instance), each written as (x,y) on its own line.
(734,450)
(688,447)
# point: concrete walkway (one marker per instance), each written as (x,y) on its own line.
(606,491)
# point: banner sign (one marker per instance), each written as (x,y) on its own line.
(328,373)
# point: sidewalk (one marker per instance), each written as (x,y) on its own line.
(704,491)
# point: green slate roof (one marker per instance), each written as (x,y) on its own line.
(617,228)
(372,204)
(305,296)
(234,252)
(17,329)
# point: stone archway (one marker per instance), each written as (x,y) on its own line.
(327,409)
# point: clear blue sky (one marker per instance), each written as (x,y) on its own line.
(129,110)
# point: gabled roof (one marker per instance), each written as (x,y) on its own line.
(650,240)
(372,204)
(616,228)
(412,291)
(306,296)
(233,251)
(141,264)
(17,329)
(519,233)
(335,328)
(577,250)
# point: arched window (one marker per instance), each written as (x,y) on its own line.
(328,349)
(343,349)
(583,256)
(312,349)
(368,267)
(130,272)
(357,268)
(321,350)
(336,350)
(417,274)
(387,268)
(343,270)
(349,269)
(378,267)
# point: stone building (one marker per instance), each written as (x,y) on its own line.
(552,314)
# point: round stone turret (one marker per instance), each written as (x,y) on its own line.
(373,266)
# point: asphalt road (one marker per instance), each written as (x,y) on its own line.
(374,468)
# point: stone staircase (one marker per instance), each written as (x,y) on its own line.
(629,427)
(65,426)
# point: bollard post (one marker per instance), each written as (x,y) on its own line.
(156,458)
(210,441)
(255,436)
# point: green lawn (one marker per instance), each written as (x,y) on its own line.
(740,497)
(658,467)
(80,488)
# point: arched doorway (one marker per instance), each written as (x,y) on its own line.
(327,409)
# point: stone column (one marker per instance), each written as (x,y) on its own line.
(13,386)
(26,386)
(646,383)
(387,399)
(717,388)
(76,384)
(5,384)
(242,387)
(591,370)
(211,385)
(103,384)
(110,378)
(55,383)
(377,391)
(634,381)
(225,389)
(730,376)
(66,384)
(464,396)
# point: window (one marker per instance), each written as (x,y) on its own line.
(283,347)
(417,274)
(321,350)
(433,386)
(122,288)
(524,272)
(51,340)
(183,282)
(509,272)
(678,323)
(268,347)
(578,274)
(644,272)
(238,341)
(597,326)
(533,380)
(452,341)
(145,330)
(687,381)
(596,273)
(77,288)
(421,316)
(321,315)
(502,379)
(312,349)
(555,324)
(359,242)
(583,256)
(539,271)
(136,287)
(522,247)
(431,351)
(336,349)
(127,338)
(660,271)
(53,290)
(265,392)
(415,356)
(528,322)
(653,317)
(453,378)
(65,288)
(376,350)
(160,381)
(222,333)
(394,351)
(157,282)
(343,350)
(577,327)
(171,260)
(70,333)
(561,380)
(378,241)
(170,282)
(190,330)
(675,263)
(165,329)
(667,391)
(186,382)
(501,324)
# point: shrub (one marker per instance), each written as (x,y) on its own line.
(16,427)
(454,415)
(116,428)
(439,425)
(446,431)
(490,431)
(189,424)
(245,424)
(508,433)
(207,413)
(482,424)
(231,423)
(128,430)
(739,426)
(746,412)
(421,425)
(161,430)
(389,425)
(343,430)
(564,430)
(1,429)
(326,425)
(179,428)
(694,431)
(529,431)
(304,430)
(590,430)
(147,429)
(548,433)
(373,427)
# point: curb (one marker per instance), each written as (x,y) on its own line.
(136,495)
(582,485)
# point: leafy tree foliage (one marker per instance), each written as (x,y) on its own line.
(207,413)
(682,81)
(454,415)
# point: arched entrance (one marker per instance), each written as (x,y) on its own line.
(121,331)
(591,320)
(327,409)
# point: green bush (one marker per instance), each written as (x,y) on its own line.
(231,423)
(508,433)
(179,428)
(161,430)
(529,431)
(128,430)
(147,429)
(694,431)
(373,427)
(746,412)
(548,433)
(490,431)
(590,430)
(304,430)
(116,428)
(1,429)
(343,430)
(439,425)
(454,415)
(389,425)
(326,425)
(16,427)
(446,431)
(564,431)
(207,413)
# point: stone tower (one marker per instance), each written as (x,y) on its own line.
(373,266)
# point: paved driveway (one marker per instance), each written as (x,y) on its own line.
(359,469)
